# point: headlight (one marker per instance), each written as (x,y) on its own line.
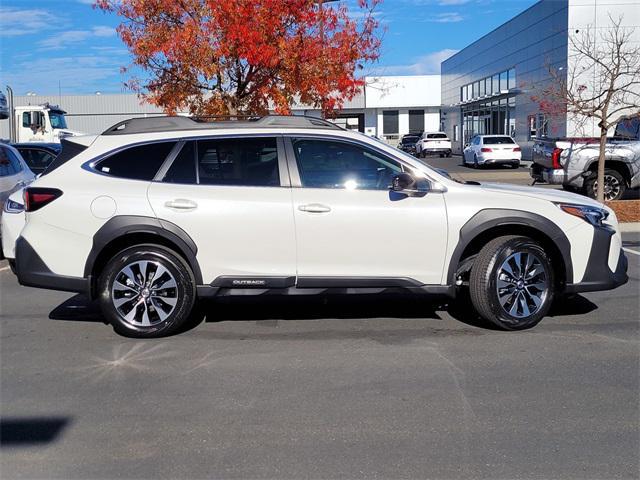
(593,215)
(13,207)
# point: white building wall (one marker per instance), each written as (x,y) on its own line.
(595,17)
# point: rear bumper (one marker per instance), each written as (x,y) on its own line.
(498,161)
(598,275)
(436,150)
(556,176)
(32,272)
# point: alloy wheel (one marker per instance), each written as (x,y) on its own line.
(612,187)
(144,293)
(522,284)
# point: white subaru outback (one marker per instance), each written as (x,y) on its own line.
(156,213)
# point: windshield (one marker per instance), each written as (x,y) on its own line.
(436,135)
(57,120)
(497,140)
(409,140)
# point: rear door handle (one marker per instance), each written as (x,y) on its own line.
(314,208)
(181,204)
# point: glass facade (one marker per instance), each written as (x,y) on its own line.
(496,117)
(493,85)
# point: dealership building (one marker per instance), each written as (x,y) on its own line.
(487,87)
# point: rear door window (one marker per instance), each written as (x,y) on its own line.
(37,159)
(251,162)
(141,162)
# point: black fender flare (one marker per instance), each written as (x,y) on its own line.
(122,225)
(497,217)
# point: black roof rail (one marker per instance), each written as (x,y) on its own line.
(176,123)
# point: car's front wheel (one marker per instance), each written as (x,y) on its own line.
(147,291)
(512,282)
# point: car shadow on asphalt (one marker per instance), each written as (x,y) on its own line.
(271,309)
(29,431)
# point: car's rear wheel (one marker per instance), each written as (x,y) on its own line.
(512,282)
(147,291)
(614,185)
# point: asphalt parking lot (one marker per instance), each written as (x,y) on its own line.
(367,387)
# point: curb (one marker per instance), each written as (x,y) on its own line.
(631,227)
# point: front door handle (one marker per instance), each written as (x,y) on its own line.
(314,208)
(181,204)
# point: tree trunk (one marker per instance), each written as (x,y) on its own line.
(601,160)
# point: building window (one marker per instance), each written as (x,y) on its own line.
(503,81)
(455,133)
(390,123)
(496,83)
(538,126)
(416,121)
(512,78)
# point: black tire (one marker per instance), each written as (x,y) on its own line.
(485,274)
(614,182)
(515,165)
(143,300)
(442,155)
(448,154)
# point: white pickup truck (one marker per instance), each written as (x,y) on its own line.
(573,162)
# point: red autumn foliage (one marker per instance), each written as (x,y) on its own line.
(232,57)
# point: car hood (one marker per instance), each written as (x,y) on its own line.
(549,194)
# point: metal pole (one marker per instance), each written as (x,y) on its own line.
(12,120)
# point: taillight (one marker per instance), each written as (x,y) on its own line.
(35,198)
(555,158)
(517,149)
(486,150)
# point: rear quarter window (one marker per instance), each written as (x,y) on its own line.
(141,162)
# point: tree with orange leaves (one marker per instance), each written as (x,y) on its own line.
(246,57)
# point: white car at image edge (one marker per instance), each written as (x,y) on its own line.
(155,214)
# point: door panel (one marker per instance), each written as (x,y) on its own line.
(367,234)
(240,230)
(354,226)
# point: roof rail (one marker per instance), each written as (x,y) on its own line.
(176,123)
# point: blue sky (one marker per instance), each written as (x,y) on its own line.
(47,45)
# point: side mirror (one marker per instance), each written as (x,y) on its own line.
(466,145)
(408,185)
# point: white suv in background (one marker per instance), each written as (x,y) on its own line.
(156,213)
(492,150)
(431,143)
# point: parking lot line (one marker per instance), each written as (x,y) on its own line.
(628,250)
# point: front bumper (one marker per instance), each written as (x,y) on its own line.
(598,276)
(33,272)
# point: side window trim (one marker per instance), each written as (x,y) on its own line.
(164,168)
